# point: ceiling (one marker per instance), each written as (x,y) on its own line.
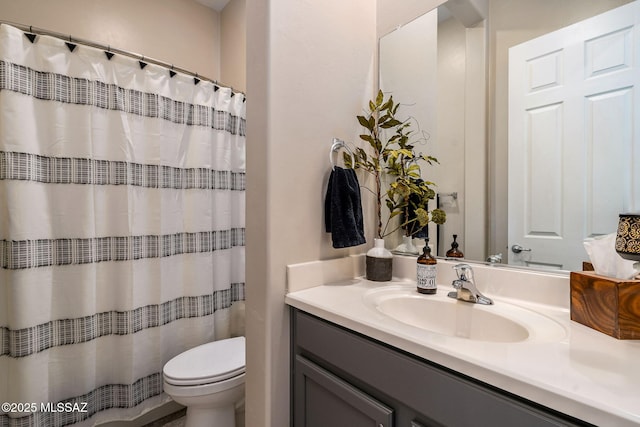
(216,5)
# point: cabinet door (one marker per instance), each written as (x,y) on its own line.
(321,399)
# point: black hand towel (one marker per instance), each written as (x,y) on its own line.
(343,209)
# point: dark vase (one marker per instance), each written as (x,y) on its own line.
(379,263)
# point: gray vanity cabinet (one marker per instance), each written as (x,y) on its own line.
(343,379)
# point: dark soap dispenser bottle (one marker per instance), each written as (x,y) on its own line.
(426,273)
(454,252)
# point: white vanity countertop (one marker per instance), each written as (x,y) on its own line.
(588,375)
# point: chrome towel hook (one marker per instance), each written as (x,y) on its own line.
(336,146)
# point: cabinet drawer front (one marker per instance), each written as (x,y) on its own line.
(322,399)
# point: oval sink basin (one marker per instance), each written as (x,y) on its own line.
(500,322)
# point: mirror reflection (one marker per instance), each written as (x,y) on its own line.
(450,69)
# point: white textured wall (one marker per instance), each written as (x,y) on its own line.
(309,72)
(233,45)
(180,32)
(391,13)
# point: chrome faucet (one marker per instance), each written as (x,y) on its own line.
(494,259)
(465,286)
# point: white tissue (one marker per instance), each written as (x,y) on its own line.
(606,261)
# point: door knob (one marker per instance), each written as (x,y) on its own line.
(516,249)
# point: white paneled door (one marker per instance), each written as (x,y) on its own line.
(574,151)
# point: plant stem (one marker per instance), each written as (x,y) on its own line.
(398,227)
(379,202)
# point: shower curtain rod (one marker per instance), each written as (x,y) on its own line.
(145,59)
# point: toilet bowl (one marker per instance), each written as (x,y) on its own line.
(209,381)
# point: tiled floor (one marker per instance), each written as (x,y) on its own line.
(175,423)
(177,419)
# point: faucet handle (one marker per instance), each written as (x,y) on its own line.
(464,272)
(457,284)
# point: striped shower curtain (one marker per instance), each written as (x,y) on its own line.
(121,227)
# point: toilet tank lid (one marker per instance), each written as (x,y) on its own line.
(207,363)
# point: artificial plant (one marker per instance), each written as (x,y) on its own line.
(393,153)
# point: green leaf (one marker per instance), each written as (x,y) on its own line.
(390,124)
(348,161)
(389,205)
(430,159)
(385,155)
(378,145)
(367,138)
(394,214)
(361,153)
(379,98)
(364,122)
(393,139)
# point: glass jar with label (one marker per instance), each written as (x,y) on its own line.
(426,273)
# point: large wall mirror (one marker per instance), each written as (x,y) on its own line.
(468,43)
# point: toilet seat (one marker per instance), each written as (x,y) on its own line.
(208,363)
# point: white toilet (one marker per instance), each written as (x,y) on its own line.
(209,381)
